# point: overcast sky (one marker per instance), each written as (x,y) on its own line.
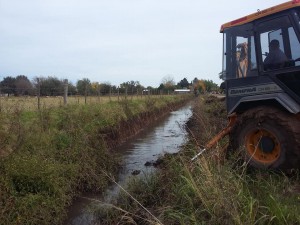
(117,40)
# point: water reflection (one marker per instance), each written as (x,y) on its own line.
(165,137)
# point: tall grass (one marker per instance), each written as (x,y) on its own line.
(29,103)
(210,190)
(48,157)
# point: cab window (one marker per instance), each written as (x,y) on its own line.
(239,52)
(279,44)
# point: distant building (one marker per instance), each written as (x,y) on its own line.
(146,91)
(182,91)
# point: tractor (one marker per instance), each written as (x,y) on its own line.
(262,92)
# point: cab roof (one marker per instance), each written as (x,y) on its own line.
(260,14)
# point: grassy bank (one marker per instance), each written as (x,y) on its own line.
(50,156)
(210,190)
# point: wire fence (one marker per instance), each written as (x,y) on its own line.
(11,103)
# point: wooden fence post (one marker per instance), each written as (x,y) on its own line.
(39,93)
(98,92)
(110,93)
(85,94)
(65,91)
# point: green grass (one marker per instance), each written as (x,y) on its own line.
(48,157)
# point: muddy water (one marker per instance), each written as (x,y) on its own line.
(163,136)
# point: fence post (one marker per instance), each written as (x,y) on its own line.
(98,92)
(85,94)
(110,93)
(118,93)
(39,93)
(65,91)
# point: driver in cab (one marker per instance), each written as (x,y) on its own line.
(276,57)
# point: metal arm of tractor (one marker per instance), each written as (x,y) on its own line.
(219,136)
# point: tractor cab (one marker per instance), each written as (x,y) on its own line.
(261,58)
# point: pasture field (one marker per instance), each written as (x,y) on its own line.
(28,103)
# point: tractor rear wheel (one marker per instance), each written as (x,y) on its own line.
(268,138)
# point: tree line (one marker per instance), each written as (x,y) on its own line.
(53,86)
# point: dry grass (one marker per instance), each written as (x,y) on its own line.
(11,104)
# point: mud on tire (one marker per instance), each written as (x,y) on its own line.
(268,137)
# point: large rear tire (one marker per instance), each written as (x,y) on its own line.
(268,138)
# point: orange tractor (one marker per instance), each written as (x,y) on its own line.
(261,64)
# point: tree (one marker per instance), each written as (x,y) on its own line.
(71,89)
(138,86)
(50,86)
(131,86)
(23,85)
(95,88)
(106,88)
(210,85)
(203,86)
(200,87)
(168,82)
(183,83)
(195,81)
(8,85)
(84,86)
(161,87)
